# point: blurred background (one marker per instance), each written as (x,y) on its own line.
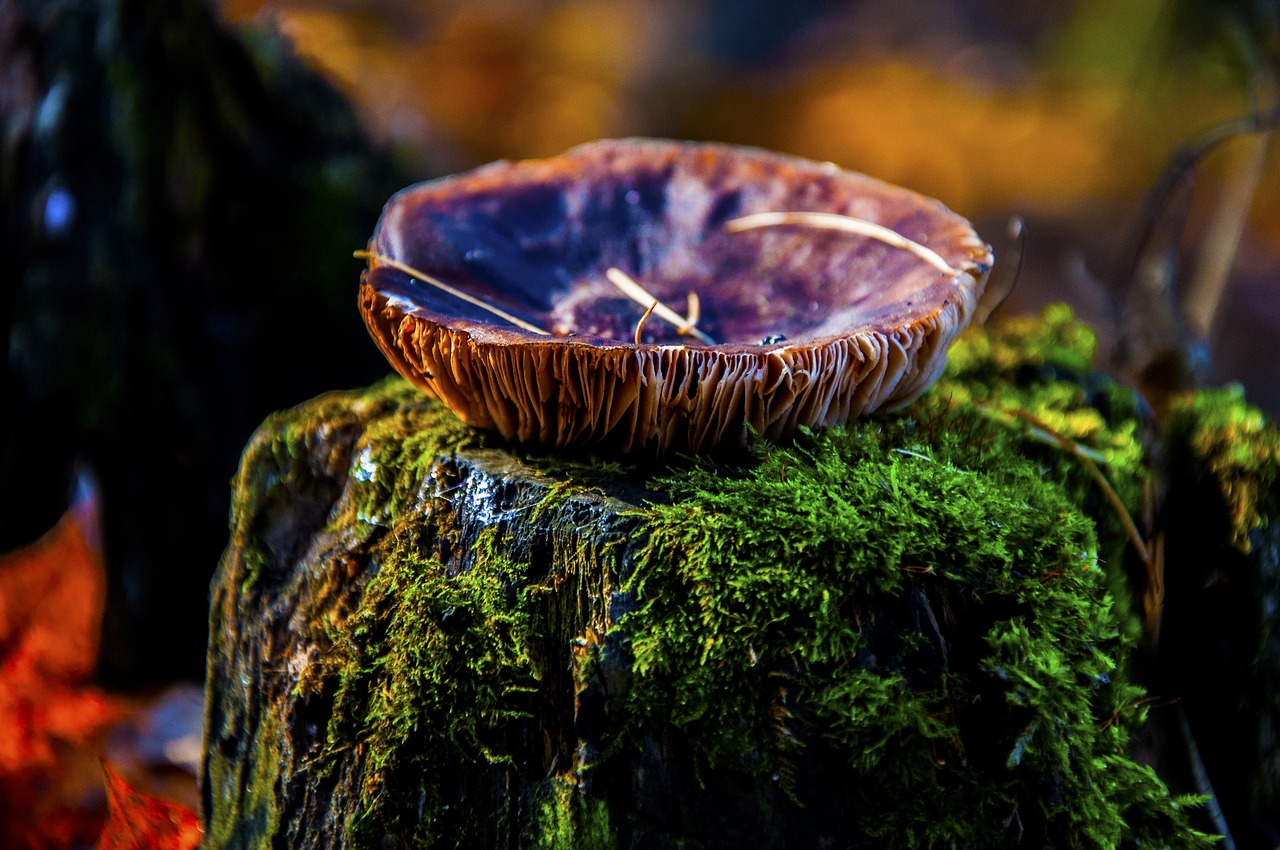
(183,184)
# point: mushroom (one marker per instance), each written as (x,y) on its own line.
(536,297)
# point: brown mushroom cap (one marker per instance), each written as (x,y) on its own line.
(864,324)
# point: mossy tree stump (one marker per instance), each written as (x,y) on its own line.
(911,632)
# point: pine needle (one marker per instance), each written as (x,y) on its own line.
(845,223)
(643,319)
(640,295)
(382,259)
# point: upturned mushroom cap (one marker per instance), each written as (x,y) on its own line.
(811,326)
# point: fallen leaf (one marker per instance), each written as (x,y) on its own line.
(136,821)
(51,599)
(52,594)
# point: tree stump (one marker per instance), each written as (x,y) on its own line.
(900,633)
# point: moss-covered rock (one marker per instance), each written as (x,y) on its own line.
(913,631)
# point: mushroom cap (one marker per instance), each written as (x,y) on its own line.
(813,326)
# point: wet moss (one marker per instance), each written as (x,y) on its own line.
(394,460)
(562,818)
(447,672)
(254,785)
(296,462)
(436,673)
(933,612)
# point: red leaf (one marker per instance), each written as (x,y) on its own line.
(51,600)
(138,822)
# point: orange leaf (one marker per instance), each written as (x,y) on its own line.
(51,600)
(136,821)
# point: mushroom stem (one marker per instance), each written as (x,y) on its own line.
(382,259)
(846,223)
(641,296)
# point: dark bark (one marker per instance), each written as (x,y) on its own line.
(270,773)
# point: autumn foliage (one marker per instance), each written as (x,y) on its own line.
(138,822)
(52,718)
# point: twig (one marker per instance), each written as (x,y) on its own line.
(1005,274)
(1222,239)
(1084,456)
(845,223)
(1153,594)
(1181,166)
(1040,434)
(1152,556)
(641,296)
(1071,447)
(382,259)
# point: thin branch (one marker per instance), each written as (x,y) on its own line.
(1222,239)
(1040,434)
(1181,166)
(1152,555)
(1005,274)
(1153,593)
(1085,456)
(1201,777)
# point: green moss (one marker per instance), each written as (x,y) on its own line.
(1234,443)
(440,673)
(256,816)
(922,595)
(1044,367)
(1054,338)
(557,494)
(826,586)
(563,819)
(435,674)
(1040,369)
